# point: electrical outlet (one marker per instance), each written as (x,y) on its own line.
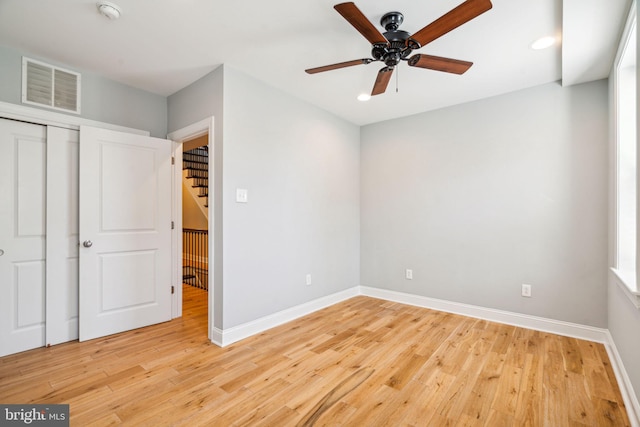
(408,274)
(526,290)
(308,279)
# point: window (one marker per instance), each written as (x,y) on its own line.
(625,97)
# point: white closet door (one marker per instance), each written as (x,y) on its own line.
(22,236)
(62,236)
(125,231)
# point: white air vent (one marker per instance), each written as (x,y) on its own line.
(53,87)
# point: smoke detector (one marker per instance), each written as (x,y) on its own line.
(108,9)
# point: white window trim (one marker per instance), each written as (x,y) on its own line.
(626,281)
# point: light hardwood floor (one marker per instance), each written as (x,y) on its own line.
(363,362)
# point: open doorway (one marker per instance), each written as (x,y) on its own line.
(192,136)
(195,229)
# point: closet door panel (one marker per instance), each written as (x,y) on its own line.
(62,235)
(22,235)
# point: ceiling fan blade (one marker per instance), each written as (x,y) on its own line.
(449,21)
(382,80)
(355,17)
(338,65)
(439,63)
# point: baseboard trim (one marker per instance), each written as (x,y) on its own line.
(229,336)
(216,336)
(624,382)
(507,317)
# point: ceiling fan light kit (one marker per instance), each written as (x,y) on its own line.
(396,45)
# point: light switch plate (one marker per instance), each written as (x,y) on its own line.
(242,195)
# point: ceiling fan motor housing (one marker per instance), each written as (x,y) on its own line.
(397,49)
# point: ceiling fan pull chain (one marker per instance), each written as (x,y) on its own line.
(397,78)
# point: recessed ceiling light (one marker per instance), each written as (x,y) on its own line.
(543,43)
(364,97)
(109,10)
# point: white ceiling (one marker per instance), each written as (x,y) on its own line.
(164,45)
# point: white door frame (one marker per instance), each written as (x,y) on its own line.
(179,136)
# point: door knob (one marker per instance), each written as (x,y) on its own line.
(87,243)
(1,252)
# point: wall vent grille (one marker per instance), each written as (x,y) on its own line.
(50,86)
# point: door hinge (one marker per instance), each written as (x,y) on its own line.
(173,290)
(173,160)
(173,225)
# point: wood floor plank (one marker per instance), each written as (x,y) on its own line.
(504,338)
(409,397)
(555,397)
(572,355)
(242,409)
(430,397)
(317,387)
(483,391)
(284,416)
(528,409)
(363,361)
(580,406)
(609,413)
(610,383)
(508,390)
(196,396)
(345,387)
(408,366)
(373,411)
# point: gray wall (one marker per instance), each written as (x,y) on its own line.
(480,198)
(102,99)
(300,166)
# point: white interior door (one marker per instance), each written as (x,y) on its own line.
(22,236)
(125,231)
(62,236)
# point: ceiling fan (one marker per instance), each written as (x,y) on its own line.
(396,45)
